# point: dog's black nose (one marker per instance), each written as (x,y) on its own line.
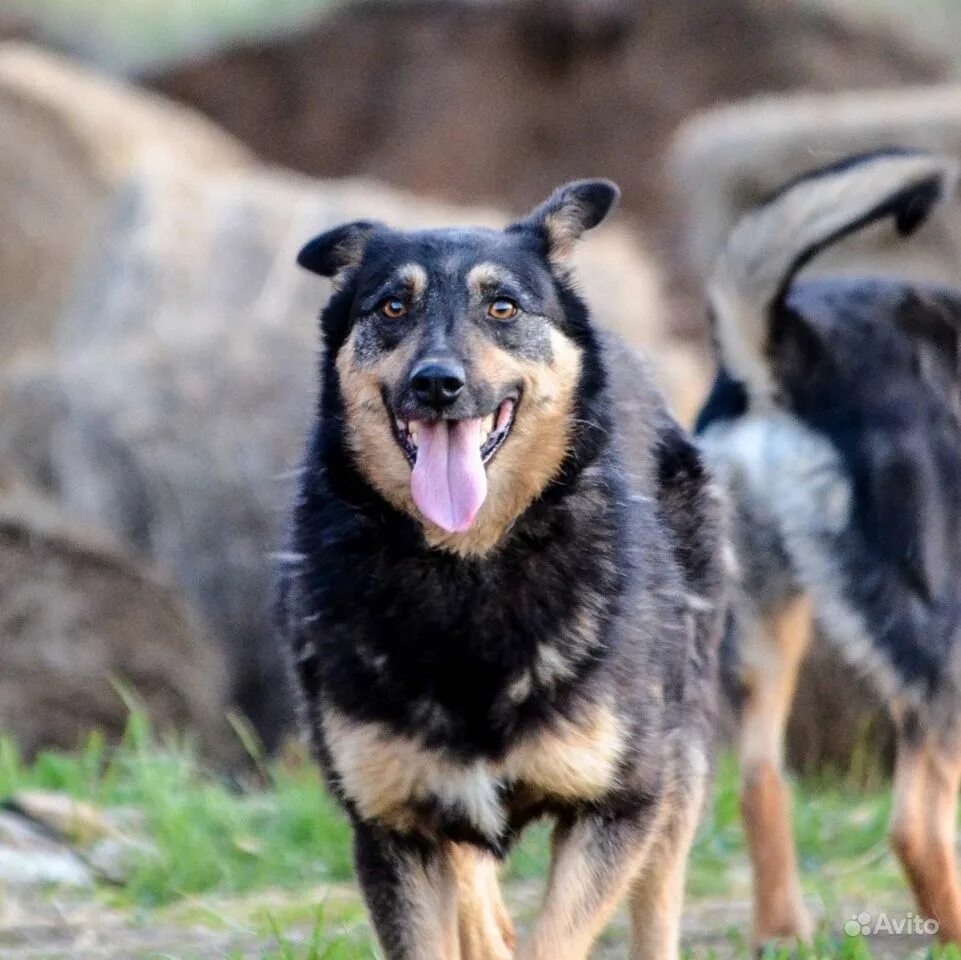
(437,383)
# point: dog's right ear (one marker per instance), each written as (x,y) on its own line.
(339,249)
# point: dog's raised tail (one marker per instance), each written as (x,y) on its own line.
(770,245)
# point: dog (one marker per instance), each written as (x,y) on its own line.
(503,590)
(833,423)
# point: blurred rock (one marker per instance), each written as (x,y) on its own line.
(51,837)
(184,380)
(30,856)
(64,815)
(727,160)
(15,26)
(78,616)
(117,858)
(67,139)
(500,101)
(33,405)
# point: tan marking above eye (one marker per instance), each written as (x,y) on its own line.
(502,309)
(392,308)
(414,279)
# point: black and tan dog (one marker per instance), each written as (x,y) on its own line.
(503,592)
(835,422)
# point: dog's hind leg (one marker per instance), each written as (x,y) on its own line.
(657,895)
(772,648)
(411,893)
(923,827)
(486,931)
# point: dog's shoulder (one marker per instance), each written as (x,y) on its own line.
(666,470)
(639,412)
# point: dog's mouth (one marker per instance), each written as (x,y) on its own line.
(449,460)
(493,431)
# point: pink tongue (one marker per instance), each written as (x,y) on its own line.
(448,481)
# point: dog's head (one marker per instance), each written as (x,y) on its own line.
(457,355)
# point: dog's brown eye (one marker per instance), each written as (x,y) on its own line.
(392,308)
(502,309)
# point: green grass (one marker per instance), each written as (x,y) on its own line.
(221,843)
(278,829)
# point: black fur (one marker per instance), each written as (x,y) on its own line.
(870,365)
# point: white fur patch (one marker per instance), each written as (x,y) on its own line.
(796,475)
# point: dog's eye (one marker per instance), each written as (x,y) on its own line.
(502,309)
(392,308)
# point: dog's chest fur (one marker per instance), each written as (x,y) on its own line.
(467,655)
(405,785)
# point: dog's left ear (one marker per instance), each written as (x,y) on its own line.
(568,212)
(339,249)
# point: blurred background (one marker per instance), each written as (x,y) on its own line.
(161,161)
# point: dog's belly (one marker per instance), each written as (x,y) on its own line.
(392,779)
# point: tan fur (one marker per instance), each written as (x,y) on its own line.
(521,469)
(487,277)
(657,895)
(430,891)
(773,653)
(779,911)
(550,665)
(414,277)
(923,828)
(539,440)
(581,897)
(907,819)
(564,227)
(385,774)
(571,760)
(370,433)
(486,931)
(576,907)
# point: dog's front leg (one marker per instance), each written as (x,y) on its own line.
(411,893)
(486,931)
(595,859)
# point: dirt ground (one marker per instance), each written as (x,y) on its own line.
(81,927)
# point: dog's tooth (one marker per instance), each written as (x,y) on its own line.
(487,424)
(413,429)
